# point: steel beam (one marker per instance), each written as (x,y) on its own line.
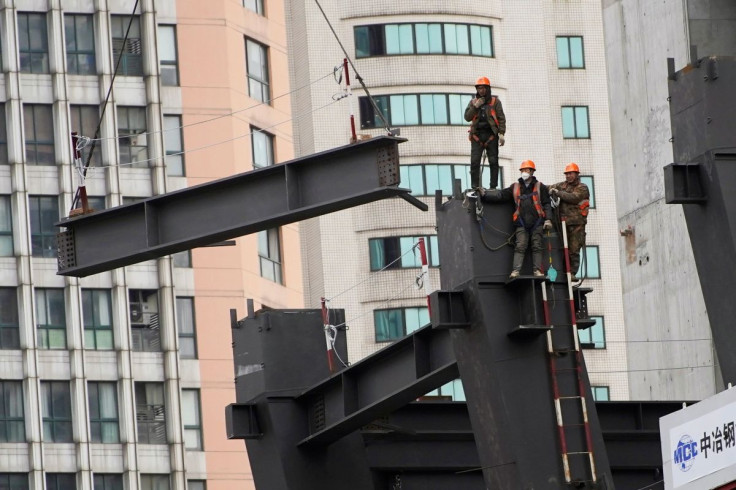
(234,206)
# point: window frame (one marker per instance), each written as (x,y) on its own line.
(47,233)
(32,143)
(589,180)
(270,153)
(594,337)
(153,424)
(99,419)
(385,103)
(86,129)
(3,131)
(574,109)
(182,263)
(197,427)
(397,262)
(44,330)
(148,334)
(14,480)
(91,326)
(403,309)
(168,62)
(259,9)
(52,421)
(263,84)
(126,134)
(265,258)
(15,424)
(76,53)
(569,50)
(131,44)
(152,481)
(6,226)
(24,37)
(108,481)
(594,390)
(180,300)
(53,483)
(584,254)
(14,323)
(174,152)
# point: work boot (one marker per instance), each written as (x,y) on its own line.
(538,273)
(514,274)
(573,278)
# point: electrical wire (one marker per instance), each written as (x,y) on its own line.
(376,109)
(230,114)
(250,133)
(387,301)
(652,369)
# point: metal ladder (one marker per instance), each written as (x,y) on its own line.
(574,354)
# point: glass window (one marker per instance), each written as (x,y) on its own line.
(369,41)
(33,43)
(39,133)
(12,425)
(255,6)
(61,481)
(97,314)
(50,318)
(6,227)
(130,53)
(144,320)
(9,333)
(132,136)
(406,110)
(3,137)
(269,253)
(595,336)
(458,103)
(186,327)
(108,481)
(103,412)
(44,212)
(456,39)
(399,252)
(56,409)
(424,180)
(434,108)
(196,485)
(80,44)
(575,122)
(150,413)
(588,180)
(453,390)
(570,52)
(257,65)
(174,146)
(84,121)
(394,323)
(481,41)
(262,144)
(589,263)
(167,55)
(182,259)
(429,38)
(601,393)
(14,481)
(190,414)
(96,203)
(399,39)
(154,482)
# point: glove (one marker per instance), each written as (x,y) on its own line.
(553,192)
(478,102)
(547,225)
(501,140)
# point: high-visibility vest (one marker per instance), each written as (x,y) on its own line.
(534,196)
(492,103)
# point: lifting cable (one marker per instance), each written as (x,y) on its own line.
(104,105)
(376,110)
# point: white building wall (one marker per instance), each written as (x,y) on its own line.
(524,76)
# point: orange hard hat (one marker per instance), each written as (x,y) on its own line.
(483,81)
(527,164)
(572,167)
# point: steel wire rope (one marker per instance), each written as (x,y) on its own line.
(357,75)
(107,98)
(191,150)
(676,368)
(230,114)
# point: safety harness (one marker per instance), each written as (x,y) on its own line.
(534,196)
(474,137)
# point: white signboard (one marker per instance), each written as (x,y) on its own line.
(699,445)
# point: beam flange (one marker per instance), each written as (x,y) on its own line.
(234,206)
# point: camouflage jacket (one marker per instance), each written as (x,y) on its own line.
(573,201)
(482,120)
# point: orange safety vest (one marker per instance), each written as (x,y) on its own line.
(473,136)
(535,200)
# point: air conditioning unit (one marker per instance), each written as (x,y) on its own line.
(139,313)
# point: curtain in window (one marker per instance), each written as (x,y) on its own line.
(108,410)
(388,325)
(13,394)
(378,256)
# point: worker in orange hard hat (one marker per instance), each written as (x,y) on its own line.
(487,129)
(572,199)
(532,215)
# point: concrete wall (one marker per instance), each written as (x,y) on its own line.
(669,346)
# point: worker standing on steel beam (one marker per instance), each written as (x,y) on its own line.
(487,129)
(531,217)
(572,198)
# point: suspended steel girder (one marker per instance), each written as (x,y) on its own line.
(234,206)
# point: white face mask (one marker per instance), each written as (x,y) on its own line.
(525,175)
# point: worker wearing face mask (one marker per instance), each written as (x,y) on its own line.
(531,216)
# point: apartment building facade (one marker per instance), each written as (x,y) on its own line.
(119,380)
(545,60)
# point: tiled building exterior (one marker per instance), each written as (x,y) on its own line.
(545,61)
(119,380)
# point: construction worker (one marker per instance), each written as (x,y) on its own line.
(531,215)
(487,129)
(571,198)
